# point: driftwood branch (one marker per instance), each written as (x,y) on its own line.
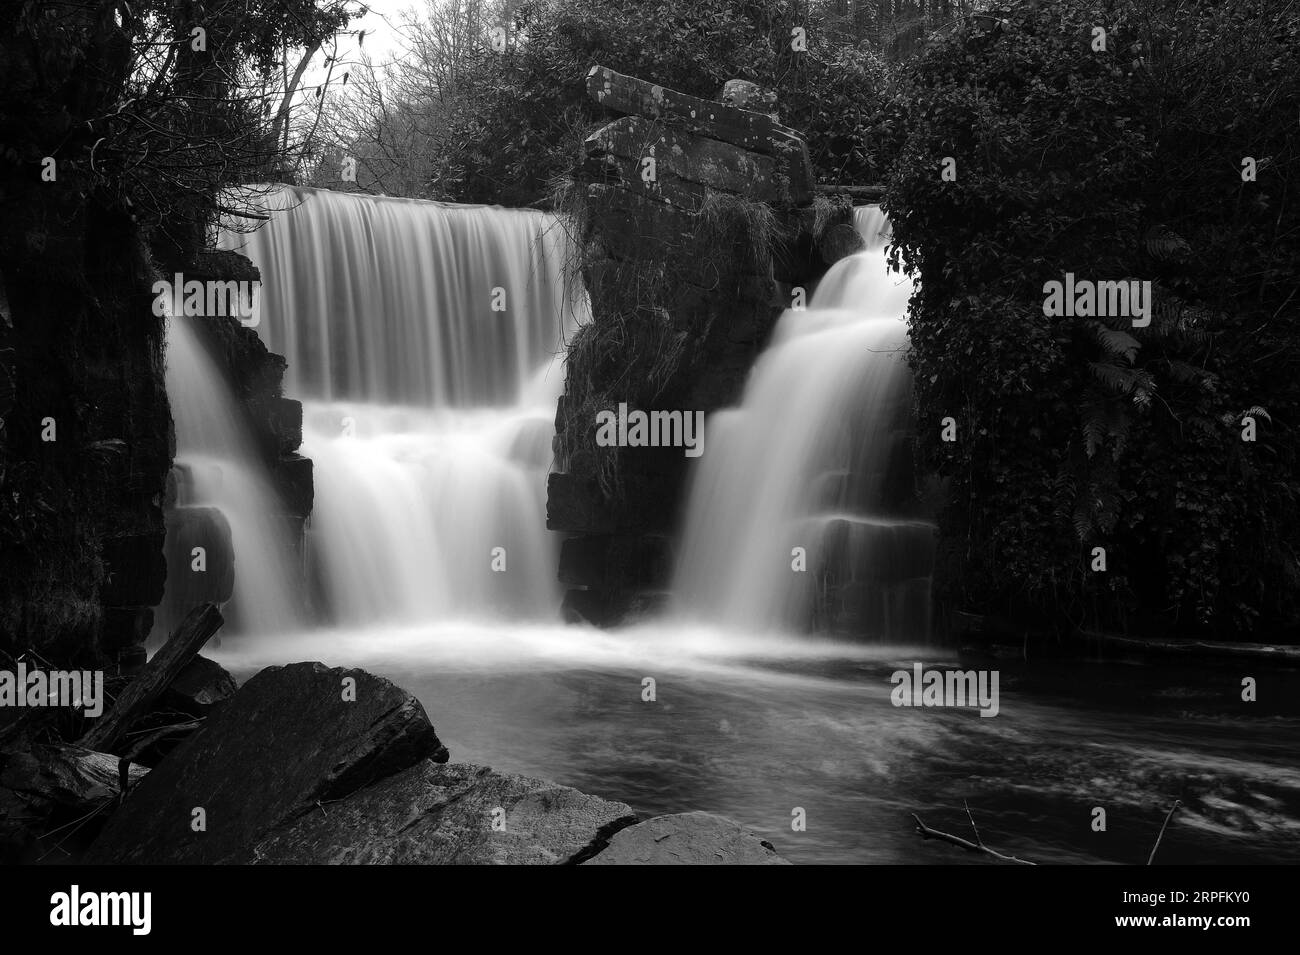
(187,640)
(977,846)
(1169,815)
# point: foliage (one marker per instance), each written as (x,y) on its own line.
(1076,433)
(505,123)
(152,107)
(122,125)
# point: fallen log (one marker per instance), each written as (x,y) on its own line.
(872,193)
(186,641)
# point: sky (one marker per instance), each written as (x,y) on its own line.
(382,40)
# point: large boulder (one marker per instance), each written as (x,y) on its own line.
(291,740)
(450,815)
(687,838)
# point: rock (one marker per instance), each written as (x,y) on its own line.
(621,560)
(729,124)
(284,419)
(687,838)
(54,798)
(838,241)
(207,527)
(682,160)
(136,569)
(756,132)
(200,686)
(292,476)
(74,778)
(443,815)
(585,606)
(574,504)
(746,95)
(286,741)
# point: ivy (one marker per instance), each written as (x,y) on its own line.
(1077,433)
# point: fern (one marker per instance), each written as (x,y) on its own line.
(1183,373)
(1125,381)
(1165,245)
(1117,343)
(1082,522)
(1094,432)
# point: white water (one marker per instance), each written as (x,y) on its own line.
(221,469)
(422,339)
(804,462)
(750,723)
(428,416)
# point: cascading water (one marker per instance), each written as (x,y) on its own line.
(221,469)
(811,471)
(446,459)
(421,337)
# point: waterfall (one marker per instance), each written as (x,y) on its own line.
(812,471)
(422,339)
(220,469)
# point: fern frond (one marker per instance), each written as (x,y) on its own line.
(1117,343)
(1166,245)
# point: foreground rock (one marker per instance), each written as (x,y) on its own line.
(293,737)
(76,779)
(61,790)
(450,815)
(687,838)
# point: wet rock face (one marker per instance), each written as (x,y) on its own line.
(450,815)
(293,737)
(86,441)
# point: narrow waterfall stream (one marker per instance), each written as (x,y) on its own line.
(221,469)
(801,471)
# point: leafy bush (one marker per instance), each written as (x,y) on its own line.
(1079,433)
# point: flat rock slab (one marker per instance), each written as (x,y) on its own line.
(290,737)
(687,838)
(456,814)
